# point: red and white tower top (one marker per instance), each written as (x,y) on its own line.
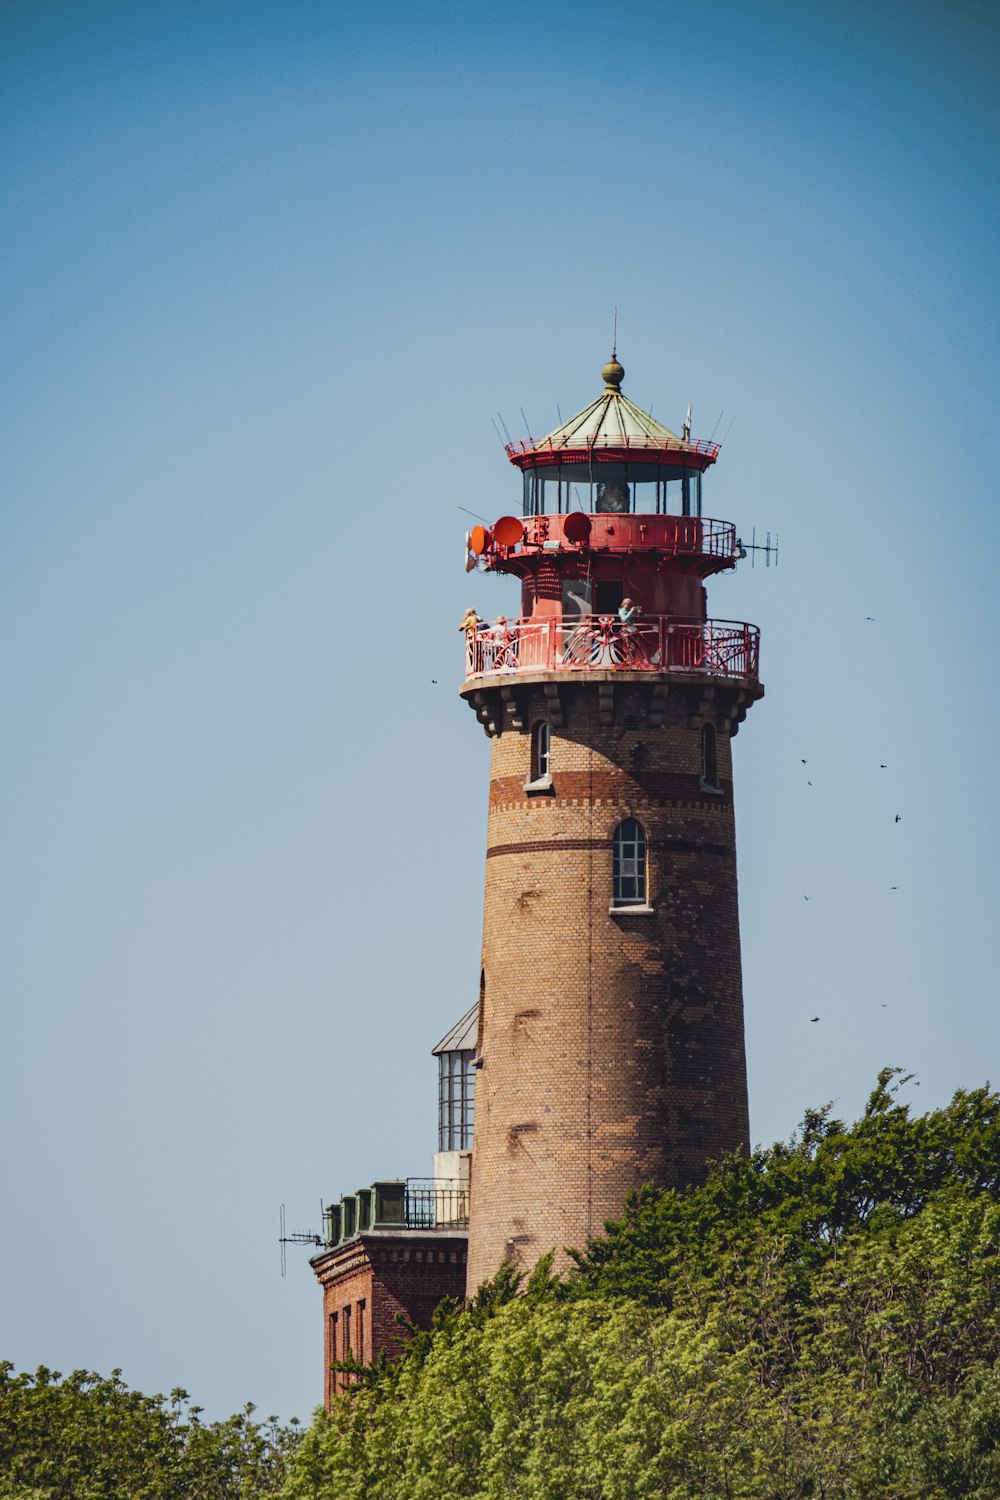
(612,521)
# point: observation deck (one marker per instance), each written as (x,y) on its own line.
(583,644)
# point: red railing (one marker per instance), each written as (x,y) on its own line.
(596,643)
(677,536)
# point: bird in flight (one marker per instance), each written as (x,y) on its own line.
(814,1018)
(898,819)
(805,898)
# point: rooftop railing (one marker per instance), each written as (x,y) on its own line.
(589,643)
(436,1203)
(416,1203)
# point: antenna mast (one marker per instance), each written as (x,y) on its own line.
(769,548)
(293,1239)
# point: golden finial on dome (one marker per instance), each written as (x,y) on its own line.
(613,374)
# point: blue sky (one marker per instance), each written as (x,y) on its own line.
(269,273)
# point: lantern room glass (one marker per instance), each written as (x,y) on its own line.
(600,488)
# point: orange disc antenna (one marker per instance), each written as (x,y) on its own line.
(576,526)
(508,531)
(478,540)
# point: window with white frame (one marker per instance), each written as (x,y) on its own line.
(629,864)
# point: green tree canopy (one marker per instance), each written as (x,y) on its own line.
(84,1437)
(819,1320)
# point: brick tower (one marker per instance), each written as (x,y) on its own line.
(610,1046)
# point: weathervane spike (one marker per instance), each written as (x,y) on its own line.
(614,337)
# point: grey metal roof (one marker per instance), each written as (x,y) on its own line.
(462,1036)
(612,421)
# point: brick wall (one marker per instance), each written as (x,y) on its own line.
(612,1045)
(369,1280)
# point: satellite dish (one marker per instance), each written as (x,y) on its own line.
(478,540)
(576,526)
(508,531)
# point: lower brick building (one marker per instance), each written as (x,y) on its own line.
(377,1282)
(396,1249)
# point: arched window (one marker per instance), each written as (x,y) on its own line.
(709,763)
(540,770)
(540,751)
(629,864)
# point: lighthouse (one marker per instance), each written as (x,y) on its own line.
(605,1048)
(609,1047)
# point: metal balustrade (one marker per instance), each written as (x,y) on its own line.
(588,643)
(436,1203)
(671,535)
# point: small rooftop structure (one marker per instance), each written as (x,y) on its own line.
(462,1036)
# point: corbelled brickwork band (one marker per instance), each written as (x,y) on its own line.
(598,786)
(612,1049)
